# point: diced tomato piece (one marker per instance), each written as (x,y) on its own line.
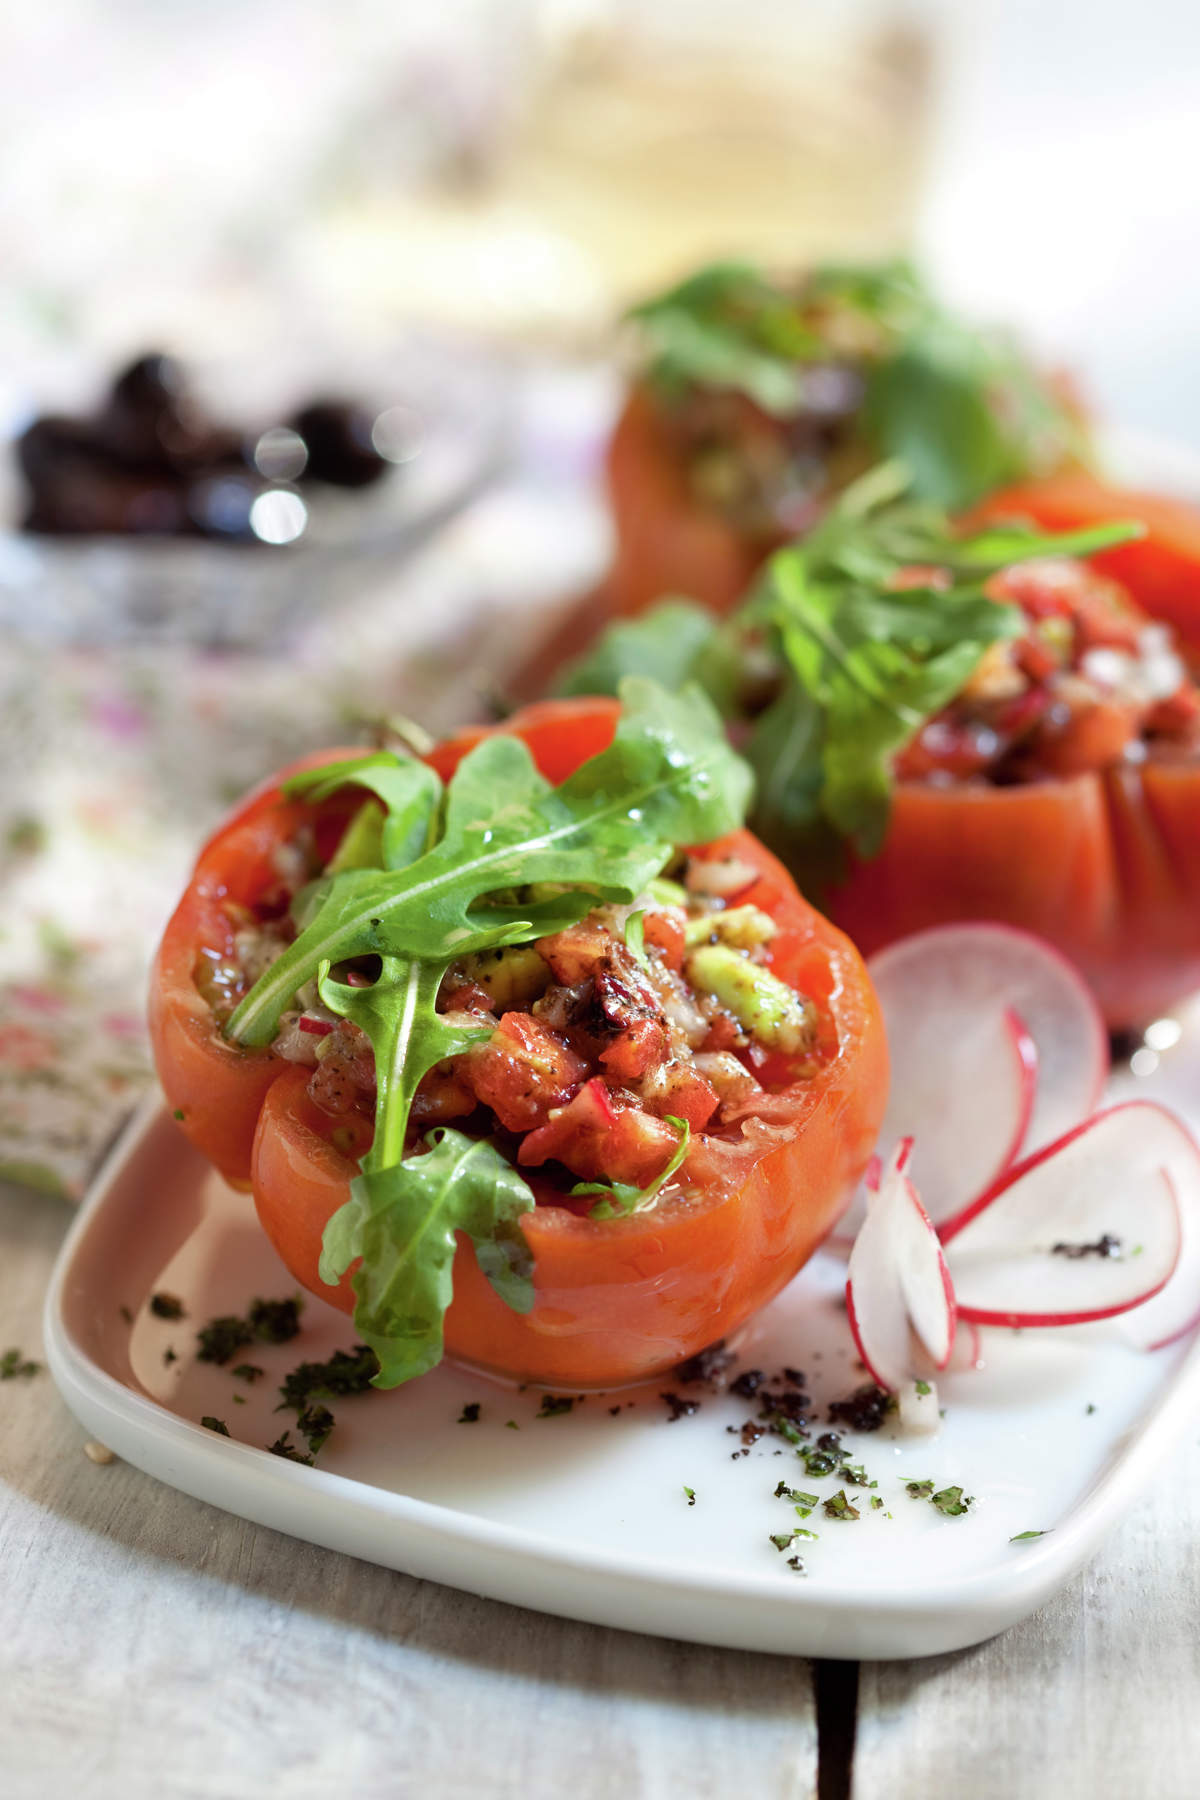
(468,996)
(601,1134)
(577,953)
(683,1092)
(1176,715)
(443,1095)
(637,1052)
(663,931)
(1092,737)
(724,1033)
(522,1071)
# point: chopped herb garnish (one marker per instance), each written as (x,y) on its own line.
(169,1355)
(217,1425)
(346,1372)
(283,1446)
(470,1413)
(782,1539)
(952,1502)
(1023,1537)
(919,1490)
(276,1321)
(802,1531)
(691,1495)
(840,1508)
(315,1424)
(178,1113)
(248,1372)
(511,1425)
(923,1387)
(554,1406)
(1090,1407)
(796,1563)
(856,1475)
(817,1462)
(16,1367)
(222,1338)
(876,1503)
(239,1399)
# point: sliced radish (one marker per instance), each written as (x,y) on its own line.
(996,1043)
(897,1280)
(918,1408)
(1111,1181)
(1175,1312)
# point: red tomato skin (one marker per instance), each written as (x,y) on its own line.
(217,1087)
(1161,570)
(1105,865)
(668,542)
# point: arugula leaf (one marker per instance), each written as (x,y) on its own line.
(866,662)
(620,1197)
(729,326)
(402,1221)
(663,644)
(410,792)
(668,778)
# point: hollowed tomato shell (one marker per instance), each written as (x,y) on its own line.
(1106,866)
(616,1301)
(667,541)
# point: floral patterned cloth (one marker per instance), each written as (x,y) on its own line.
(118,761)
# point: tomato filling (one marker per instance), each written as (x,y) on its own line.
(597,1043)
(1091,682)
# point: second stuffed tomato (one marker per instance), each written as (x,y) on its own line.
(687,1082)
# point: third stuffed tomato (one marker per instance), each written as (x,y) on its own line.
(612,1139)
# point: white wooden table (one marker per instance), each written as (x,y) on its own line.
(154,1648)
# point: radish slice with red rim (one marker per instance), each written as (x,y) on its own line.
(996,1044)
(897,1282)
(1175,1312)
(1083,1229)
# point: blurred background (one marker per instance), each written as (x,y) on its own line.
(441,211)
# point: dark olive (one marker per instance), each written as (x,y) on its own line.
(337,436)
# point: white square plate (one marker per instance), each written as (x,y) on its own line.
(585,1514)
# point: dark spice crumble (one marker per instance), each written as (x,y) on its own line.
(679,1407)
(747,1384)
(863,1410)
(166,1306)
(554,1406)
(470,1413)
(217,1425)
(1105,1246)
(707,1366)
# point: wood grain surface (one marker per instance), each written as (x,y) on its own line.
(153,1648)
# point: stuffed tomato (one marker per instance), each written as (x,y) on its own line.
(1058,791)
(956,726)
(575,1127)
(757,399)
